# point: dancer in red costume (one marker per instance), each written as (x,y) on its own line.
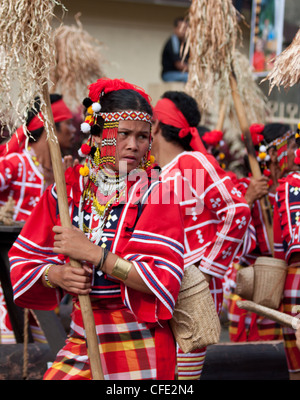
(125,237)
(216,215)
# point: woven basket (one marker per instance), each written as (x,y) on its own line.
(269,280)
(195,323)
(245,282)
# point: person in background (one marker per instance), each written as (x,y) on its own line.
(298,338)
(174,68)
(245,325)
(215,214)
(25,172)
(287,236)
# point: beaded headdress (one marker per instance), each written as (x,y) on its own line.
(104,188)
(97,90)
(281,145)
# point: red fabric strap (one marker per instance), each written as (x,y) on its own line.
(60,113)
(167,113)
(15,144)
(17,141)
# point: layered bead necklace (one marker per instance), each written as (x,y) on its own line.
(104,189)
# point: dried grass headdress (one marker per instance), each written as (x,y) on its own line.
(211,42)
(286,69)
(78,62)
(27,54)
(213,37)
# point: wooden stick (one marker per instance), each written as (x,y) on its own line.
(274,315)
(221,118)
(25,348)
(254,165)
(84,300)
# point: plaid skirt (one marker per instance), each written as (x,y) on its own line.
(129,350)
(246,326)
(291,306)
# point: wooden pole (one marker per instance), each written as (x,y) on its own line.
(221,118)
(254,165)
(274,315)
(84,300)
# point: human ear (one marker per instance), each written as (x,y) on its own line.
(155,128)
(273,155)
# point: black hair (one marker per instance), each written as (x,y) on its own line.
(177,21)
(120,100)
(35,110)
(189,108)
(274,130)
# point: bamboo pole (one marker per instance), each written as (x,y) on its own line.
(274,315)
(84,300)
(254,165)
(221,118)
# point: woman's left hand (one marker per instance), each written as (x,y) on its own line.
(73,243)
(69,161)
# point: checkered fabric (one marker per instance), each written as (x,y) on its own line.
(249,327)
(190,365)
(286,243)
(152,244)
(291,306)
(245,326)
(216,219)
(216,215)
(21,179)
(127,348)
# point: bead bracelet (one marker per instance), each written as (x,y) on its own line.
(48,283)
(103,258)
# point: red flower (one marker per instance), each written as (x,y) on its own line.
(267,172)
(85,148)
(107,85)
(213,137)
(256,128)
(297,152)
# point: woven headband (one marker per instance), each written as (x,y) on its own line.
(125,116)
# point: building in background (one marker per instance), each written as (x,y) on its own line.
(133,33)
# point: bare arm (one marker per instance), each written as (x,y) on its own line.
(73,243)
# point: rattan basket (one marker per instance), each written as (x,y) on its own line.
(195,323)
(245,282)
(269,280)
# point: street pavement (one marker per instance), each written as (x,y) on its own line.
(224,361)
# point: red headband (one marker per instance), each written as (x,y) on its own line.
(17,141)
(60,113)
(107,85)
(167,113)
(15,144)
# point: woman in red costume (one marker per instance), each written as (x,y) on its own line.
(215,213)
(287,237)
(25,172)
(125,237)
